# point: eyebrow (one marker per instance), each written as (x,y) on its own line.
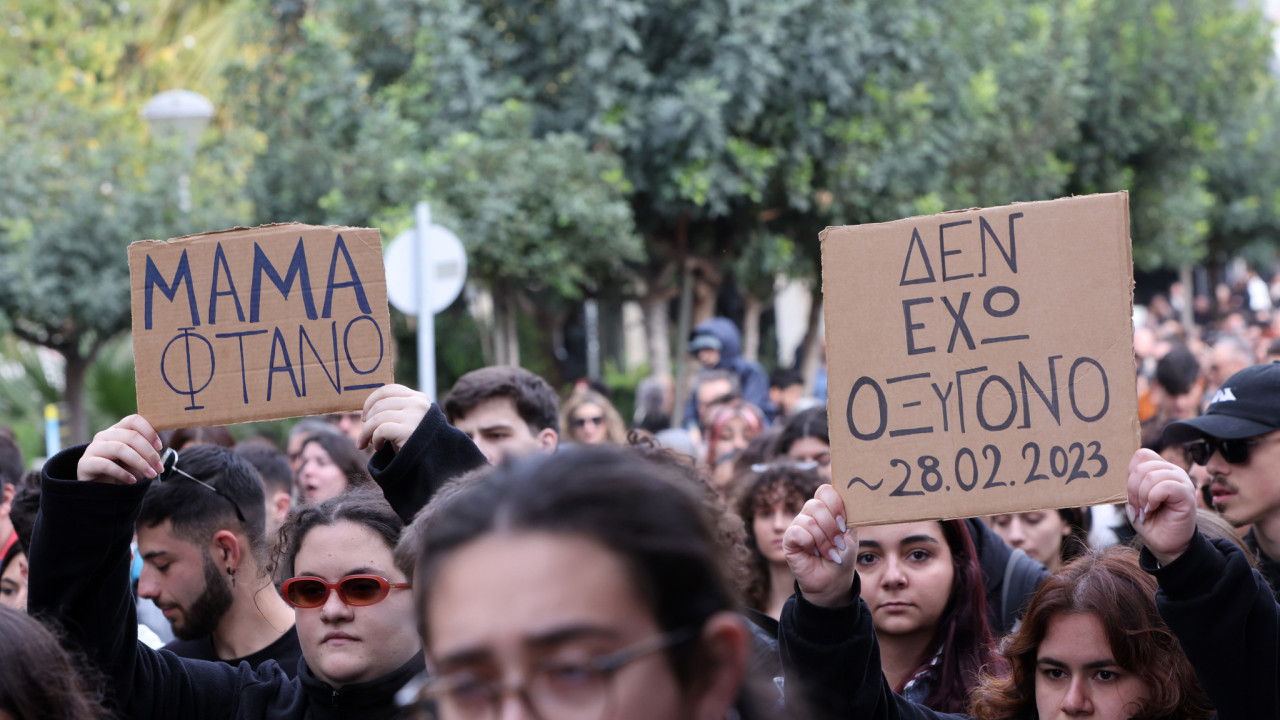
(1093,665)
(542,641)
(909,540)
(491,428)
(154,554)
(362,570)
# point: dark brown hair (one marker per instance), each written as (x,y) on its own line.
(1111,587)
(342,451)
(38,679)
(534,399)
(782,482)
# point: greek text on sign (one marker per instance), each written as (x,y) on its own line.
(981,361)
(255,324)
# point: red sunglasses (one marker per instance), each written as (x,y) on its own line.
(354,590)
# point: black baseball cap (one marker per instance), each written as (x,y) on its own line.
(1247,404)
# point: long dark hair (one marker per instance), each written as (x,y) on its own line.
(1112,588)
(342,451)
(963,635)
(38,679)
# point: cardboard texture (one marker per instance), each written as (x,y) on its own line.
(256,324)
(981,361)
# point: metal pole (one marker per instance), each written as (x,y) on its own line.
(426,315)
(591,313)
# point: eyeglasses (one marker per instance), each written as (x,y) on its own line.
(354,590)
(581,422)
(170,461)
(552,690)
(1235,452)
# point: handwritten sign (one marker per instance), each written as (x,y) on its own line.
(256,324)
(981,361)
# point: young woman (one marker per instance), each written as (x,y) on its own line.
(37,677)
(923,586)
(588,418)
(1054,537)
(805,438)
(1091,645)
(732,427)
(584,584)
(352,605)
(330,465)
(767,502)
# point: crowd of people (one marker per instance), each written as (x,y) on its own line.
(509,553)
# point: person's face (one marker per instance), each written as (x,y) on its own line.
(1077,676)
(509,603)
(588,423)
(1038,533)
(1250,491)
(1223,363)
(709,357)
(735,434)
(350,423)
(786,398)
(771,519)
(906,574)
(499,431)
(13,583)
(812,449)
(294,451)
(344,644)
(1184,405)
(319,478)
(183,580)
(707,395)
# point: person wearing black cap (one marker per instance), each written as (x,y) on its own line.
(1238,442)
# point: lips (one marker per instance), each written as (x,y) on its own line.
(896,606)
(337,637)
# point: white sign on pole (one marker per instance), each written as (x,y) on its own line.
(447,258)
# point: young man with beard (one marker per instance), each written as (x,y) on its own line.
(201,534)
(1238,442)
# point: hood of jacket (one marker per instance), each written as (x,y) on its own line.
(726,332)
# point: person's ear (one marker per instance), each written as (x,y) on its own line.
(722,657)
(224,548)
(280,504)
(548,440)
(6,496)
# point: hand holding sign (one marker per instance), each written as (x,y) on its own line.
(820,550)
(391,414)
(122,454)
(1161,504)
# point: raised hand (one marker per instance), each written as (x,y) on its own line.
(820,549)
(391,414)
(122,454)
(1161,505)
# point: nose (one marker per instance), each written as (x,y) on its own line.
(513,708)
(334,610)
(1077,700)
(1216,465)
(894,577)
(1016,535)
(782,520)
(147,587)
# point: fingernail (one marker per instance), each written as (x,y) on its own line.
(157,444)
(840,543)
(151,473)
(1146,509)
(840,522)
(1129,513)
(835,557)
(815,553)
(1142,517)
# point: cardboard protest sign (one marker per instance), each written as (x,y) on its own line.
(981,361)
(256,324)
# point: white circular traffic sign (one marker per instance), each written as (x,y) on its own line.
(447,263)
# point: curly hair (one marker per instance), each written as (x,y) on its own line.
(1111,587)
(779,483)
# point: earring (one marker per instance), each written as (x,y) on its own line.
(232,573)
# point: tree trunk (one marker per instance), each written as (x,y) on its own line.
(752,310)
(480,304)
(657,325)
(78,416)
(509,328)
(813,351)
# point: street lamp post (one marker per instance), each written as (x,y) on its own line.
(180,114)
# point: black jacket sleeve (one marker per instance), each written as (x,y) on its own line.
(436,453)
(1226,618)
(1010,577)
(80,580)
(831,662)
